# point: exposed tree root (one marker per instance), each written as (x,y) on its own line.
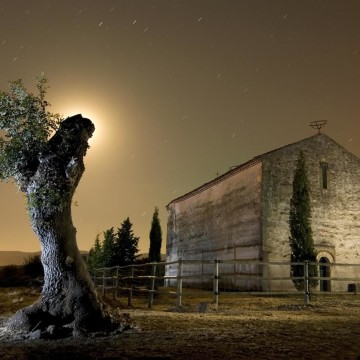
(34,322)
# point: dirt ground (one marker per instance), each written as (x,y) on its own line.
(243,327)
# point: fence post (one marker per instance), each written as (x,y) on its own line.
(116,283)
(179,284)
(202,268)
(306,283)
(131,285)
(152,286)
(216,283)
(235,267)
(103,283)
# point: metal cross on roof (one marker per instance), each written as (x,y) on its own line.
(318,124)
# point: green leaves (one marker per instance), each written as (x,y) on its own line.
(126,244)
(117,249)
(301,240)
(155,238)
(25,127)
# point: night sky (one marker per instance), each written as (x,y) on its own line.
(179,91)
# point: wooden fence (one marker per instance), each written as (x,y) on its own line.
(214,275)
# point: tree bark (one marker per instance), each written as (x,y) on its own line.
(68,300)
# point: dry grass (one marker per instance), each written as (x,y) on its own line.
(243,327)
(13,299)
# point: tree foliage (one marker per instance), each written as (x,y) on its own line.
(27,126)
(155,238)
(108,248)
(301,240)
(126,244)
(116,249)
(95,255)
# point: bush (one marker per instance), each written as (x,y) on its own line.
(11,275)
(33,267)
(29,274)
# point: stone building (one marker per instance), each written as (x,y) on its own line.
(244,213)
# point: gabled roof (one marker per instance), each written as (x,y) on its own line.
(218,180)
(294,143)
(242,167)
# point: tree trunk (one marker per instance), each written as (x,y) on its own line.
(68,302)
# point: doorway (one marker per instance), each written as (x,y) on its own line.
(324,273)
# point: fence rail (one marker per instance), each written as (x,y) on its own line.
(221,276)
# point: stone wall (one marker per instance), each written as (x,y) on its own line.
(218,221)
(335,209)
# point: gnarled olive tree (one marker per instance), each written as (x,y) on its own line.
(43,154)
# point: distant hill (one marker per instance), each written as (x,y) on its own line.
(15,257)
(19,257)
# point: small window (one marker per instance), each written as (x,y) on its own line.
(324,174)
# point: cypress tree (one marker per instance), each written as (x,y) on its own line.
(155,238)
(301,240)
